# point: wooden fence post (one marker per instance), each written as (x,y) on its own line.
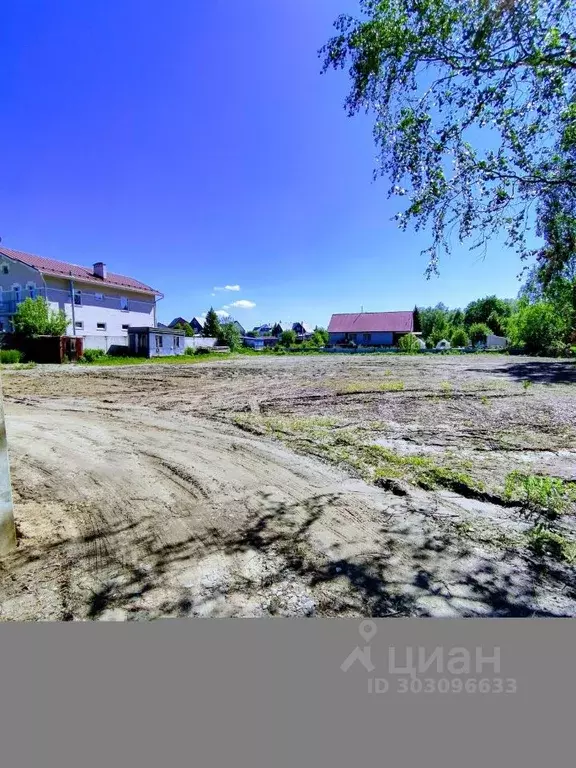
(7,526)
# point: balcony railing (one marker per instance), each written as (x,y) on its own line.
(9,300)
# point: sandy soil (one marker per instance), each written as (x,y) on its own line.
(216,489)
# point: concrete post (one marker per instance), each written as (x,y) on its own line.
(7,526)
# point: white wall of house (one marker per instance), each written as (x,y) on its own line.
(100,310)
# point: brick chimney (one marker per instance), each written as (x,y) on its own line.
(100,270)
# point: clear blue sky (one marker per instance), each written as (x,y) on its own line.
(195,144)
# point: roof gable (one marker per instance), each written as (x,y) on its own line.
(64,269)
(372,322)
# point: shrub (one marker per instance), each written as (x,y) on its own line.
(229,336)
(90,355)
(539,493)
(190,351)
(10,356)
(288,338)
(478,333)
(537,327)
(320,337)
(409,343)
(33,317)
(460,338)
(186,327)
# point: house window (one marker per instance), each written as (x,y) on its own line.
(98,297)
(123,303)
(125,327)
(101,326)
(31,288)
(177,340)
(78,298)
(367,337)
(5,269)
(158,341)
(17,292)
(79,325)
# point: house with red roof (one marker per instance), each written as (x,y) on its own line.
(98,304)
(370,329)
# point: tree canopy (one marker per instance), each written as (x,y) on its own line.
(474,105)
(33,317)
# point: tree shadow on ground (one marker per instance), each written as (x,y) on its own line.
(537,371)
(438,568)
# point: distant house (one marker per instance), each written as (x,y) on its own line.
(302,329)
(261,330)
(177,321)
(443,344)
(197,325)
(370,329)
(239,327)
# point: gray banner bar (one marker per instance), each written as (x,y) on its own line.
(289,693)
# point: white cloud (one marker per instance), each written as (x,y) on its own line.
(212,294)
(226,288)
(222,313)
(226,306)
(243,304)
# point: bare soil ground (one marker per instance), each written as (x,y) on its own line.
(297,486)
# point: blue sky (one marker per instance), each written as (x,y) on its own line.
(194,145)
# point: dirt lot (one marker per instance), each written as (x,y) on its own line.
(296,486)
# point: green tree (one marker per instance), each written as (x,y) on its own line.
(229,336)
(538,327)
(409,343)
(457,318)
(186,327)
(459,338)
(320,337)
(288,338)
(478,332)
(417,320)
(212,324)
(438,75)
(33,317)
(491,311)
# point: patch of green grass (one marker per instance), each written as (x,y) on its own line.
(543,541)
(357,387)
(484,400)
(446,388)
(316,435)
(526,384)
(168,360)
(18,366)
(539,493)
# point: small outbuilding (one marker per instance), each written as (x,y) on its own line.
(443,344)
(155,342)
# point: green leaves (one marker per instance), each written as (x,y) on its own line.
(432,71)
(34,317)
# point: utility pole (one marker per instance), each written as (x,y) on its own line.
(7,526)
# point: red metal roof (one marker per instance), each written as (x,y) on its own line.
(366,322)
(63,269)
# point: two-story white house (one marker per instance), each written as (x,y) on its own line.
(100,305)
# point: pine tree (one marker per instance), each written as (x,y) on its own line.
(417,321)
(212,325)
